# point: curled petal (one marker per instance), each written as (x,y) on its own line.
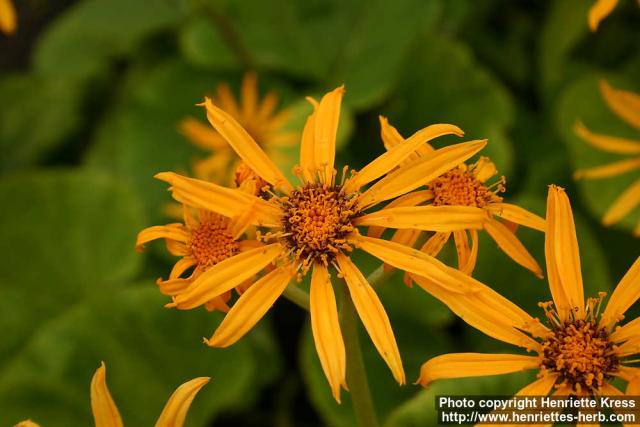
(105,411)
(174,232)
(175,411)
(600,10)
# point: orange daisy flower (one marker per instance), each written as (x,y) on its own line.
(105,411)
(465,185)
(201,243)
(313,226)
(627,106)
(579,351)
(259,118)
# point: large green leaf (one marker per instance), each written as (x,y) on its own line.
(148,351)
(37,116)
(67,235)
(582,101)
(444,84)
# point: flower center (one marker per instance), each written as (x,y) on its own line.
(582,353)
(460,187)
(211,243)
(317,221)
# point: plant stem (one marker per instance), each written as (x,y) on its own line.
(297,296)
(356,372)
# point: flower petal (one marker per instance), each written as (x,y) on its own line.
(511,245)
(610,144)
(633,388)
(462,365)
(410,199)
(540,387)
(8,19)
(373,316)
(484,169)
(307,145)
(327,119)
(395,155)
(473,256)
(429,218)
(624,204)
(326,329)
(608,170)
(175,232)
(202,135)
(420,172)
(244,145)
(600,10)
(175,411)
(215,198)
(518,215)
(490,313)
(624,296)
(251,307)
(624,103)
(435,243)
(105,411)
(417,262)
(623,333)
(226,275)
(173,287)
(26,423)
(249,95)
(462,247)
(562,255)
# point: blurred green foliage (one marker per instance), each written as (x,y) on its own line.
(94,116)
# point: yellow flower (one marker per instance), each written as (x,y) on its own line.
(580,351)
(106,414)
(314,226)
(259,118)
(8,20)
(464,185)
(201,243)
(627,106)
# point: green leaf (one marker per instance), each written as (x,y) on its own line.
(582,101)
(201,45)
(67,235)
(445,85)
(41,114)
(93,31)
(148,350)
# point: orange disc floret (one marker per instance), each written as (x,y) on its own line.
(459,186)
(211,242)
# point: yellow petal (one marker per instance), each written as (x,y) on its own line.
(243,144)
(170,231)
(215,198)
(608,390)
(417,262)
(607,143)
(395,155)
(484,169)
(175,411)
(462,365)
(562,255)
(249,93)
(226,99)
(27,423)
(600,10)
(428,218)
(511,245)
(624,103)
(326,128)
(373,316)
(540,387)
(326,329)
(624,296)
(624,204)
(462,247)
(473,256)
(391,137)
(490,313)
(105,411)
(633,388)
(609,170)
(173,287)
(251,307)
(623,333)
(226,275)
(8,20)
(420,172)
(214,167)
(518,215)
(307,146)
(627,373)
(410,199)
(267,106)
(435,243)
(202,135)
(181,266)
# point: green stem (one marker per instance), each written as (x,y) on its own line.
(297,296)
(356,372)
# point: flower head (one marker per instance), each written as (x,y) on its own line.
(475,186)
(627,106)
(579,350)
(106,414)
(259,118)
(313,226)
